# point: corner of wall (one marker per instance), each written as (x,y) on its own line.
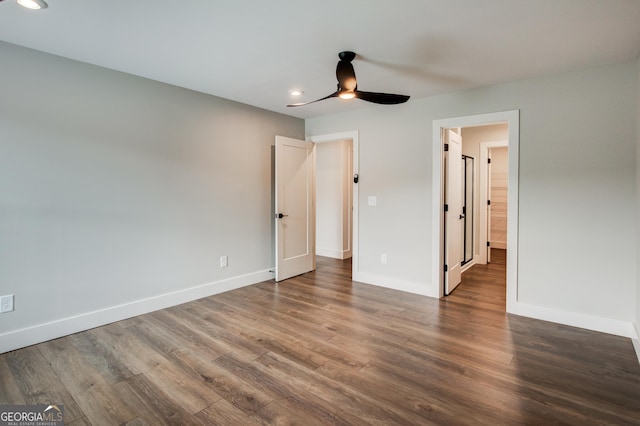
(636,323)
(635,339)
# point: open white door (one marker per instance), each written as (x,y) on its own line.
(295,207)
(453,212)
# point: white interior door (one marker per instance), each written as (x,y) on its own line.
(453,214)
(295,207)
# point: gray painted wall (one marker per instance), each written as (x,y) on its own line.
(115,188)
(577,246)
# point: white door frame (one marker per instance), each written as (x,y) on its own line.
(483,236)
(513,120)
(353,136)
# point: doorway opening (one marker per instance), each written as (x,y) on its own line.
(460,185)
(295,202)
(462,218)
(337,196)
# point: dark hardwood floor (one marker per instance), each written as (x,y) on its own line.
(321,349)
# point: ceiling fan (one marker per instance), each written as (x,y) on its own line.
(348,86)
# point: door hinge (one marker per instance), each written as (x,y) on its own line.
(446,207)
(488,244)
(488,160)
(446,147)
(488,202)
(446,268)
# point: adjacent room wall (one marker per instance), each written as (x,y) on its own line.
(577,203)
(637,316)
(333,199)
(120,194)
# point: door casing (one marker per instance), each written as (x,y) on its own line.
(512,118)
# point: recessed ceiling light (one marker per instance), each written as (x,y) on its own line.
(33,4)
(296,92)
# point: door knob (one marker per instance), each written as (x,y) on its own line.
(280,215)
(461,216)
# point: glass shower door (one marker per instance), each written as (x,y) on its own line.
(467,207)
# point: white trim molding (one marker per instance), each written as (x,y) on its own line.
(332,253)
(422,289)
(574,319)
(52,330)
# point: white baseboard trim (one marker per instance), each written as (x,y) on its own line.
(62,327)
(469,264)
(574,319)
(635,339)
(334,254)
(422,289)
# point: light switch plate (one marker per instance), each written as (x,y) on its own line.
(373,200)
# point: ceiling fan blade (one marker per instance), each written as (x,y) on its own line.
(381,98)
(333,95)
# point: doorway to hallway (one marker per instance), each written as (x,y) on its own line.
(442,196)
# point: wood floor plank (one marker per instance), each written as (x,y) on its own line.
(223,413)
(38,383)
(99,402)
(153,403)
(273,339)
(107,363)
(228,336)
(9,391)
(233,389)
(138,357)
(190,392)
(175,333)
(360,403)
(286,393)
(321,349)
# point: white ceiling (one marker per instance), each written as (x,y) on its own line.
(256,51)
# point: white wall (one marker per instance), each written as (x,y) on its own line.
(577,169)
(116,190)
(333,199)
(637,315)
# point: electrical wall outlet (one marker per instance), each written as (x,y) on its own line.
(6,303)
(224,261)
(383,258)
